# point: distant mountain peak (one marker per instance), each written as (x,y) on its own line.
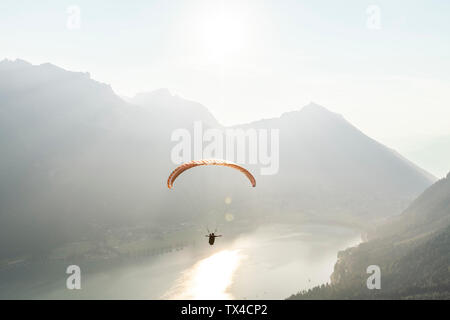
(7,64)
(161,91)
(314,105)
(50,66)
(47,77)
(158,93)
(16,61)
(163,99)
(316,108)
(311,109)
(14,64)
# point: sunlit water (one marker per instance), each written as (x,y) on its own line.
(209,278)
(270,263)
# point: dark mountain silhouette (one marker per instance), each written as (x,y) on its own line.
(412,251)
(77,159)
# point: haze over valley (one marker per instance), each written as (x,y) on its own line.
(83,180)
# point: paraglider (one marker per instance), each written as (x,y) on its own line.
(215,162)
(207,162)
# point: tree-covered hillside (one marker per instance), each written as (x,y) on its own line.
(412,251)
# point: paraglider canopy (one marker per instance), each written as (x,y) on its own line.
(207,162)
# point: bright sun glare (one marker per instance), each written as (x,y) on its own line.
(222,36)
(209,278)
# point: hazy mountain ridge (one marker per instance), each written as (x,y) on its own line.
(162,100)
(429,212)
(412,251)
(344,164)
(77,158)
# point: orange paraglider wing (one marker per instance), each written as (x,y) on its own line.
(208,162)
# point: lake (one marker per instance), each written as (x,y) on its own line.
(271,262)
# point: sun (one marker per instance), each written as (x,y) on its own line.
(222,36)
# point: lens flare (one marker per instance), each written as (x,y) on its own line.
(229,217)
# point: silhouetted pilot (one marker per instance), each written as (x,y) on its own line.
(212,237)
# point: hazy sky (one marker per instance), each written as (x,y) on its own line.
(247,60)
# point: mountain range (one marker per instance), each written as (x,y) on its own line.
(77,158)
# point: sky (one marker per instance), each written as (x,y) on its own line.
(383,65)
